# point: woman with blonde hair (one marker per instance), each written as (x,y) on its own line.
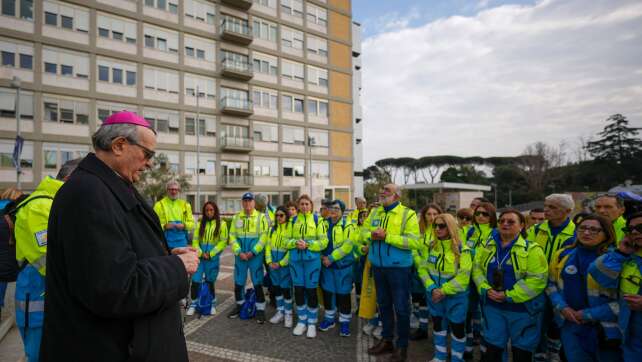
(446,275)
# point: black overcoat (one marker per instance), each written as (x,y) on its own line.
(112,291)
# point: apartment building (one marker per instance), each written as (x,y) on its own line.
(265,86)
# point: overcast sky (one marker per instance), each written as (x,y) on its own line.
(490,77)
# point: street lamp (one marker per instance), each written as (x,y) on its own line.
(16,83)
(311,143)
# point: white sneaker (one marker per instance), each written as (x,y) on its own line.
(299,329)
(377,332)
(213,310)
(368,328)
(288,321)
(312,331)
(414,321)
(277,318)
(191,310)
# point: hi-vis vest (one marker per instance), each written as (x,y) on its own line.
(542,236)
(313,230)
(248,233)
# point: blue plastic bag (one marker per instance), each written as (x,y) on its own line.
(205,300)
(248,309)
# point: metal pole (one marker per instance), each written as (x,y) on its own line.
(310,163)
(495,186)
(198,151)
(16,83)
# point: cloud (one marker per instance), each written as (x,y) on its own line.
(492,83)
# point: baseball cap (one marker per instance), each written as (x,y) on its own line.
(248,196)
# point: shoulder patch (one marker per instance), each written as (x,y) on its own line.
(239,223)
(571,269)
(41,237)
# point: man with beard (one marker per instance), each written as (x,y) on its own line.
(175,216)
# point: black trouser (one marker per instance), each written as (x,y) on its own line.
(344,304)
(238,293)
(458,329)
(496,354)
(300,294)
(278,291)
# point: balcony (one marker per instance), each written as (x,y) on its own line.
(237,69)
(237,182)
(230,143)
(241,4)
(236,106)
(236,31)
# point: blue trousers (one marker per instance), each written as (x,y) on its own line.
(581,343)
(31,338)
(281,277)
(255,265)
(337,280)
(3,290)
(208,268)
(452,308)
(393,290)
(632,348)
(521,328)
(305,273)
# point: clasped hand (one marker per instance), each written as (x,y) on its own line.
(189,257)
(497,296)
(379,234)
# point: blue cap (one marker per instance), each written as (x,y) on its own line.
(248,196)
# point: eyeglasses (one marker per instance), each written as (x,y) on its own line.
(482,213)
(280,215)
(149,154)
(439,226)
(173,189)
(631,229)
(507,222)
(465,218)
(590,229)
(334,208)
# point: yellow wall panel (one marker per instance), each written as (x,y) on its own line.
(341,173)
(340,4)
(340,114)
(340,85)
(339,26)
(341,144)
(340,55)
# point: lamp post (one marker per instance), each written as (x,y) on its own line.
(494,185)
(16,83)
(311,143)
(198,150)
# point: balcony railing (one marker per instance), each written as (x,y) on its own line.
(241,4)
(236,106)
(231,143)
(237,69)
(233,181)
(236,31)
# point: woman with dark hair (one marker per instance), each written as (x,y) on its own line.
(292,209)
(427,216)
(585,313)
(622,269)
(483,223)
(277,257)
(510,275)
(309,237)
(210,239)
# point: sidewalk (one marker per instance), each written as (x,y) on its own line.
(11,348)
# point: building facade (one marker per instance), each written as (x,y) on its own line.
(265,88)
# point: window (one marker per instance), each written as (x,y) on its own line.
(55,155)
(236,98)
(65,110)
(117,75)
(200,11)
(206,166)
(9,7)
(317,108)
(67,22)
(317,15)
(206,126)
(292,103)
(67,70)
(264,30)
(161,44)
(200,54)
(51,19)
(292,8)
(266,132)
(236,25)
(317,46)
(265,99)
(293,135)
(200,48)
(121,29)
(162,5)
(292,70)
(117,35)
(319,137)
(26,9)
(103,73)
(131,78)
(235,60)
(104,110)
(267,167)
(263,63)
(160,80)
(206,86)
(8,104)
(51,68)
(8,59)
(104,33)
(26,61)
(291,38)
(317,76)
(162,121)
(293,168)
(266,3)
(189,51)
(320,169)
(173,8)
(161,39)
(149,41)
(6,154)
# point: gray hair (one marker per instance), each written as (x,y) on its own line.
(67,168)
(106,134)
(260,199)
(564,200)
(172,183)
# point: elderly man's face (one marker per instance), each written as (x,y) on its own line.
(555,212)
(607,207)
(173,191)
(136,158)
(388,194)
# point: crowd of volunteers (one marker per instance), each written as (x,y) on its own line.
(545,286)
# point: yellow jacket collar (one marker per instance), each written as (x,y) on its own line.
(49,186)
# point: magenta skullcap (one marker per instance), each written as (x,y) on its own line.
(126,117)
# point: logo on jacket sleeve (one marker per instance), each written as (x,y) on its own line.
(239,223)
(376,222)
(571,269)
(41,237)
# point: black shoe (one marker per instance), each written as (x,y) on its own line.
(260,316)
(399,355)
(418,334)
(468,356)
(235,312)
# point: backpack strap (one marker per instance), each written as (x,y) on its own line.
(316,219)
